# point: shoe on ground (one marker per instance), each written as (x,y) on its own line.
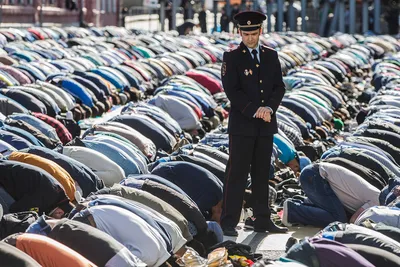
(230,231)
(249,223)
(272,228)
(285,213)
(267,225)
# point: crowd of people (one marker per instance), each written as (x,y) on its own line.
(114,149)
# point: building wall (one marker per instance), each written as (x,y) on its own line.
(96,12)
(16,14)
(102,12)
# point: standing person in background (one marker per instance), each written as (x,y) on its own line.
(123,17)
(252,79)
(224,21)
(185,6)
(168,14)
(392,16)
(203,19)
(234,12)
(248,5)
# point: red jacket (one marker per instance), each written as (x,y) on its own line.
(210,83)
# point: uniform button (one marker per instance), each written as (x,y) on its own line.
(262,101)
(260,81)
(262,91)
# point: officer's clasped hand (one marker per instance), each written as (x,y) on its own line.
(264,113)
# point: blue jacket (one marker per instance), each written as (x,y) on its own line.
(22,133)
(45,128)
(14,140)
(201,185)
(126,147)
(115,154)
(301,110)
(288,151)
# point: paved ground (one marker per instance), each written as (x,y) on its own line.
(272,246)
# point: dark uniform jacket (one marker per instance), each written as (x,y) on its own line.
(249,87)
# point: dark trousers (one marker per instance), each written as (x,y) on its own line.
(246,153)
(326,206)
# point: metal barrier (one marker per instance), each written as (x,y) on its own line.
(141,14)
(141,10)
(329,17)
(328,22)
(152,18)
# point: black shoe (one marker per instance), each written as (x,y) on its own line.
(272,229)
(261,230)
(249,223)
(230,231)
(268,225)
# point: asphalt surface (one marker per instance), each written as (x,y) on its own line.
(272,246)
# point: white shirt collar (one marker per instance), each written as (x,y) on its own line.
(257,48)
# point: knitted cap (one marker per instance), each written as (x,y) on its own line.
(339,125)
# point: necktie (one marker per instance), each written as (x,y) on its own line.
(254,52)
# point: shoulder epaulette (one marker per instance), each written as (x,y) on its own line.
(267,47)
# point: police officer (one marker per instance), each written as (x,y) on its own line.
(252,79)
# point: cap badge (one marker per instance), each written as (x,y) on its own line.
(248,22)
